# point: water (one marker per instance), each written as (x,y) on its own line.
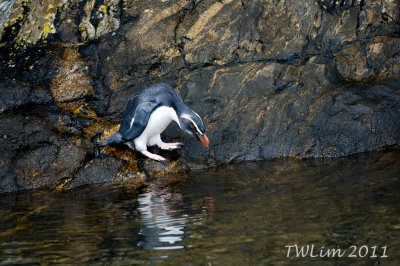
(240,214)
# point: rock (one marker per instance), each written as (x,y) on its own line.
(270,78)
(14,95)
(34,164)
(290,113)
(97,171)
(5,12)
(70,83)
(376,60)
(104,17)
(8,179)
(29,23)
(69,159)
(34,155)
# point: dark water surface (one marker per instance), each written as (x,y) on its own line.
(239,214)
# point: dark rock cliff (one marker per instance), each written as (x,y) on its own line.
(270,79)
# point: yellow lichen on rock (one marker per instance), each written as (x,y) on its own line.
(103,8)
(109,132)
(122,153)
(93,130)
(35,24)
(85,112)
(106,12)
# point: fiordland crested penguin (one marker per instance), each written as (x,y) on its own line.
(149,113)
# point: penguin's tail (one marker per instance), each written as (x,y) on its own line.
(113,139)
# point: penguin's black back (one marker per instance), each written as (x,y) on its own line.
(149,99)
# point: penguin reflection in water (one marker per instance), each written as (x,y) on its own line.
(149,113)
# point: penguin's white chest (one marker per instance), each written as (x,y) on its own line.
(158,122)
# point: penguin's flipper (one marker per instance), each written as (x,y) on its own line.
(142,115)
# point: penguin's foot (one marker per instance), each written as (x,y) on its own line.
(153,156)
(169,146)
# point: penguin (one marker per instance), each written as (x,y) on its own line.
(149,113)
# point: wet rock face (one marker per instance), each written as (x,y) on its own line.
(286,110)
(270,79)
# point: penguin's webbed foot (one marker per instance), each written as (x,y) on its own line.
(153,156)
(169,146)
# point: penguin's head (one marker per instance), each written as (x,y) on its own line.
(191,123)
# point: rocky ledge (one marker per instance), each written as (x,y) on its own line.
(314,78)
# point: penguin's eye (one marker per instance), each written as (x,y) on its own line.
(192,127)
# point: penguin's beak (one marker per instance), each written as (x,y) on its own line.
(203,139)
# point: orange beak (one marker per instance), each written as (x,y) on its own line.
(203,139)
